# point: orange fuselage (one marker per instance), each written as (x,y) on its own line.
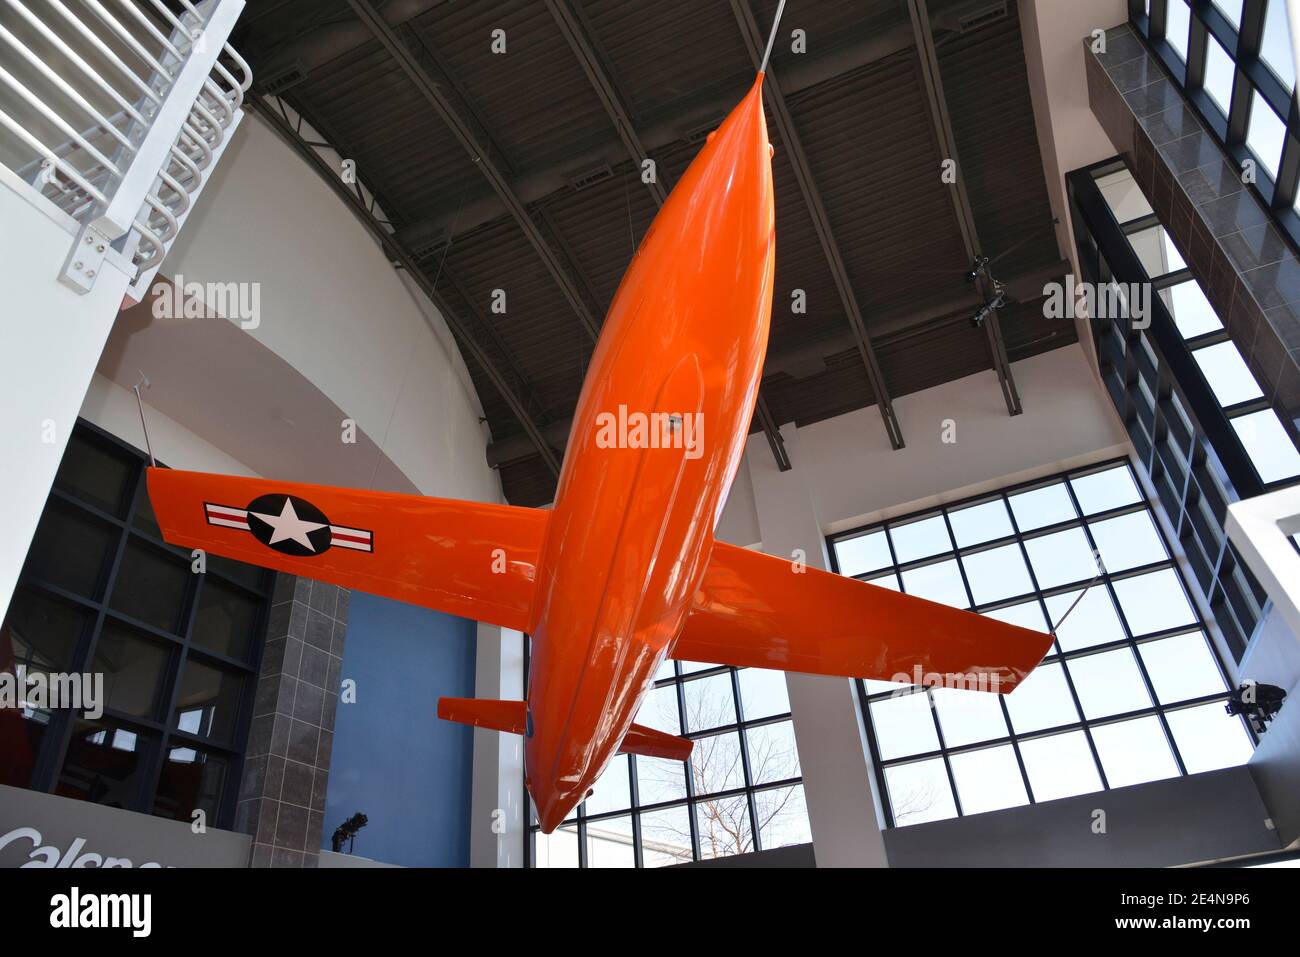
(656,441)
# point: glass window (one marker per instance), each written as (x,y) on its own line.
(1157,251)
(138,756)
(1268,445)
(862,554)
(1276,50)
(1208,738)
(1192,312)
(1122,194)
(1091,715)
(939,582)
(1178,26)
(1265,135)
(1060,765)
(1230,378)
(1219,71)
(1230,9)
(920,539)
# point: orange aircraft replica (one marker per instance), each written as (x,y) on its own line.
(623,570)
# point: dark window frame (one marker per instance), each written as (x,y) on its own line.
(160,729)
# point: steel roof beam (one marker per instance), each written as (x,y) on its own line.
(754,41)
(460,128)
(402,257)
(612,100)
(942,123)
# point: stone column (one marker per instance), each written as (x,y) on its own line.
(286,768)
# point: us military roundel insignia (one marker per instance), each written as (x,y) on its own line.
(289,524)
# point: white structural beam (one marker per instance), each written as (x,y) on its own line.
(839,780)
(1261,528)
(498,803)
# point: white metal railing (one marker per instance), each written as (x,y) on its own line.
(121,109)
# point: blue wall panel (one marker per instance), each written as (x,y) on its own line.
(393,760)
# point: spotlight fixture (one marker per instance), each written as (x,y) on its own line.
(347,831)
(1257,703)
(977,268)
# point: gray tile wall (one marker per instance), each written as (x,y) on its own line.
(1248,270)
(286,769)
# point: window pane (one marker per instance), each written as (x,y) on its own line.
(106,764)
(919,792)
(988,780)
(1027,614)
(997,574)
(1092,622)
(862,554)
(903,726)
(1218,75)
(666,837)
(659,710)
(709,702)
(889,581)
(227,619)
(920,539)
(1042,507)
(558,849)
(724,827)
(1268,445)
(1192,312)
(1209,738)
(1042,701)
(190,781)
(133,666)
(612,790)
(1128,541)
(207,703)
(1230,9)
(1060,766)
(716,765)
(782,817)
(1178,26)
(762,693)
(40,632)
(1133,752)
(659,780)
(95,473)
(968,716)
(1265,134)
(1108,683)
(1230,378)
(1276,47)
(1157,251)
(1122,195)
(1102,491)
(71,549)
(610,843)
(939,582)
(980,523)
(151,586)
(1181,667)
(1061,557)
(772,753)
(1153,602)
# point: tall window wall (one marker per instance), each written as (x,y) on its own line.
(741,791)
(1131,690)
(102,593)
(1234,59)
(1201,427)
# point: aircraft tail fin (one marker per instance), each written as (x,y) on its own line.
(508,716)
(655,744)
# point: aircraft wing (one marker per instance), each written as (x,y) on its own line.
(754,610)
(465,558)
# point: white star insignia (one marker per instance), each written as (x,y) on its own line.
(287,525)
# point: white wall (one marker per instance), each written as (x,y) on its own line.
(334,308)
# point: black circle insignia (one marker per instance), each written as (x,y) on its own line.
(288,523)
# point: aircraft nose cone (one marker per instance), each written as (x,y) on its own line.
(552,810)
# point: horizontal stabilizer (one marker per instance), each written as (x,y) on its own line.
(508,716)
(758,611)
(655,744)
